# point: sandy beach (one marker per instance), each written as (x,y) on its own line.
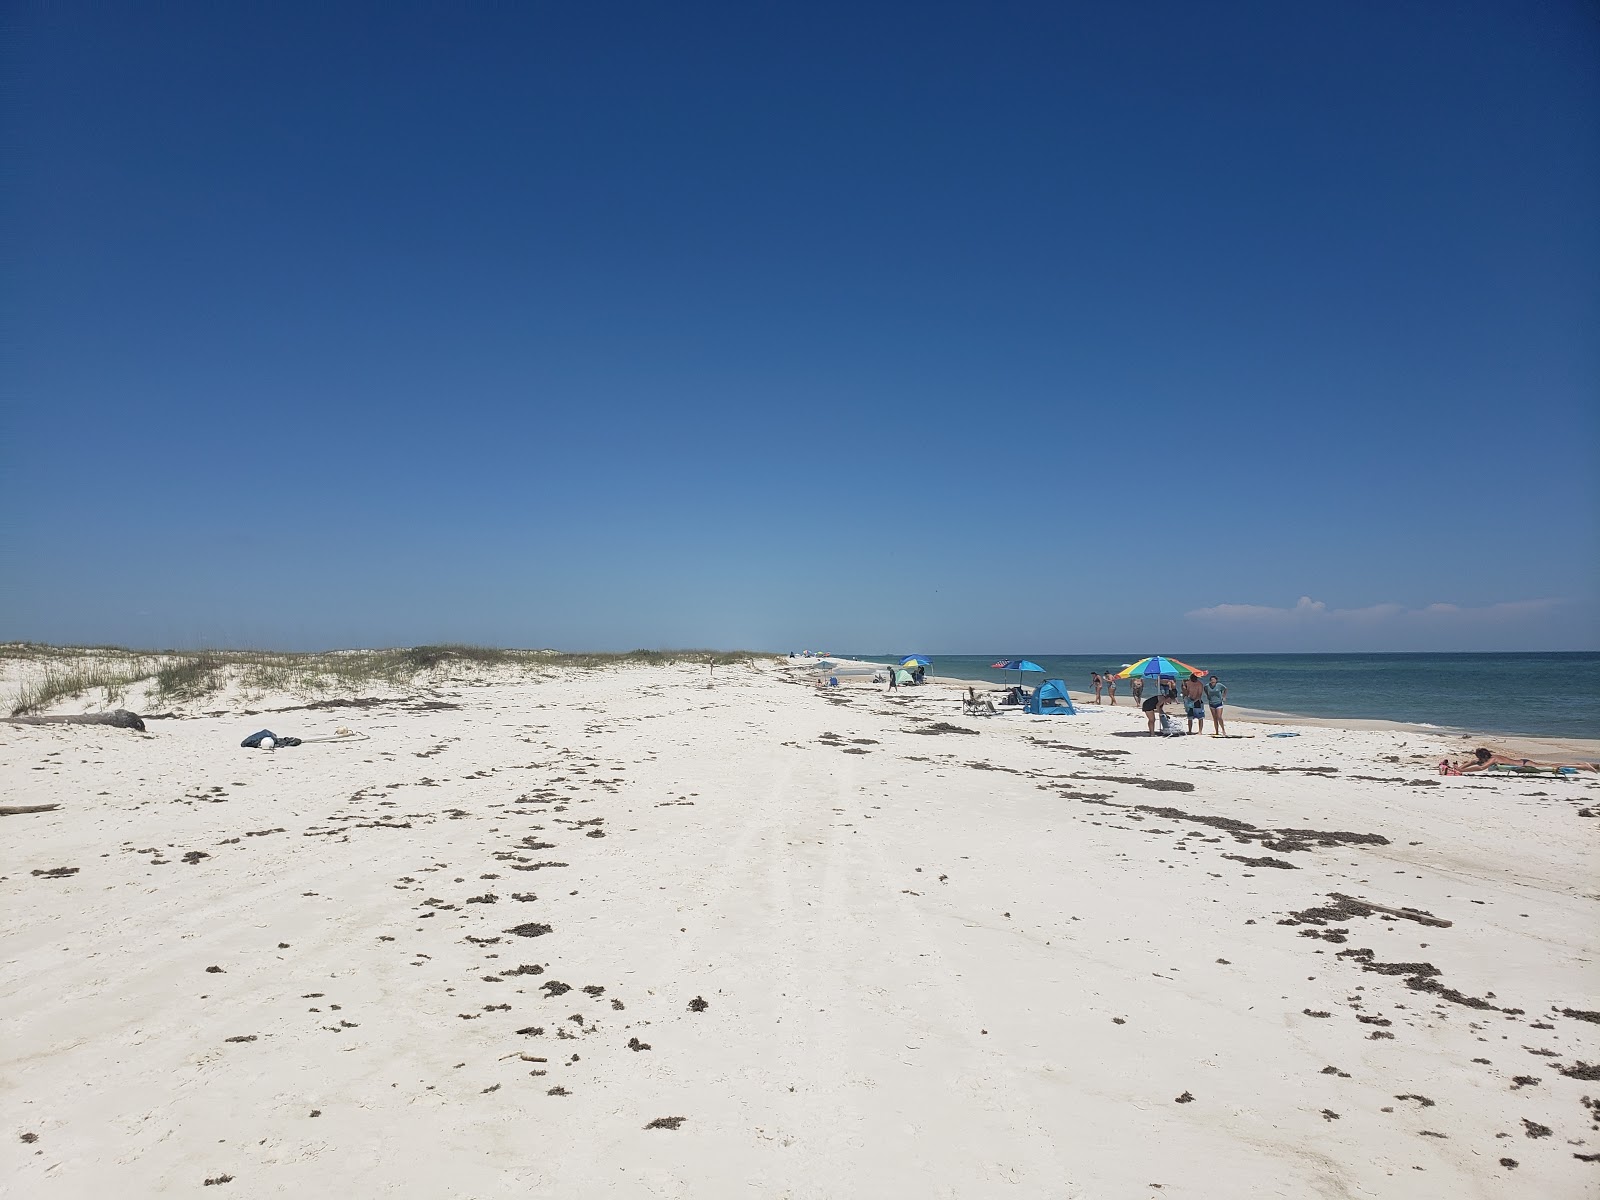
(642,931)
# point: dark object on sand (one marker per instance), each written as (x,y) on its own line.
(666,1122)
(121,718)
(1409,914)
(12,810)
(253,742)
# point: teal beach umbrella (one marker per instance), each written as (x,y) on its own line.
(1019,665)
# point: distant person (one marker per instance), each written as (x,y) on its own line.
(1194,702)
(919,674)
(1152,709)
(1111,686)
(1136,685)
(1099,684)
(1169,689)
(1216,695)
(894,681)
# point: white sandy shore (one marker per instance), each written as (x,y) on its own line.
(1023,961)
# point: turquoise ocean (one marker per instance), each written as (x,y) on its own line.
(1553,695)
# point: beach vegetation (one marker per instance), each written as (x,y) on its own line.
(64,677)
(176,676)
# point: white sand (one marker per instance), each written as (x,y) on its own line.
(958,965)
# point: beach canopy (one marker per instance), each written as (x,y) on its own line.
(916,660)
(1050,699)
(1158,667)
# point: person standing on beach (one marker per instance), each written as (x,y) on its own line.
(1194,702)
(1152,708)
(1137,686)
(1216,695)
(1094,678)
(1111,686)
(892,683)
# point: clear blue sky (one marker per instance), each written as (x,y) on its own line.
(1044,327)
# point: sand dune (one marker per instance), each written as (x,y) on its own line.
(621,933)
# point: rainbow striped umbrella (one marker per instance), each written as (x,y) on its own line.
(1157,667)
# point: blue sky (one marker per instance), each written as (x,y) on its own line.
(1237,327)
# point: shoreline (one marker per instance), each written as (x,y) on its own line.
(1531,745)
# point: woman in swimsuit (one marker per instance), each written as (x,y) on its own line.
(1483,759)
(1216,694)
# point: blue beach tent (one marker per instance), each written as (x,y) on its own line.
(1050,699)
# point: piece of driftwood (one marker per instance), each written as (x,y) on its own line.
(1409,914)
(121,718)
(11,810)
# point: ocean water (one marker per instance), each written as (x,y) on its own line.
(1554,695)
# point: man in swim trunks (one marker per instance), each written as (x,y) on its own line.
(1216,695)
(1194,702)
(1137,685)
(1111,686)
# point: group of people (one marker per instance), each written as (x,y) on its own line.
(1198,694)
(1107,681)
(918,674)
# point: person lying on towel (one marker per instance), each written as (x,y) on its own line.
(1482,759)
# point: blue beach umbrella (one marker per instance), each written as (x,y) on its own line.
(1019,665)
(916,660)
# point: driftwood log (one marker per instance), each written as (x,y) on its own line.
(121,718)
(12,810)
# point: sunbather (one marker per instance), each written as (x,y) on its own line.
(1482,759)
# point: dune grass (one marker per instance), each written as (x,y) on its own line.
(67,677)
(177,676)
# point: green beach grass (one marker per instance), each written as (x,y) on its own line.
(176,675)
